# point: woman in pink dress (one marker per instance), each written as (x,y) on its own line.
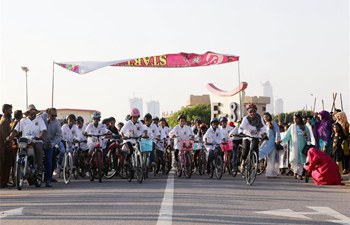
(323,169)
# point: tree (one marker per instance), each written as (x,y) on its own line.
(201,111)
(288,117)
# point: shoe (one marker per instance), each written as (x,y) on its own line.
(53,180)
(48,184)
(242,165)
(154,164)
(300,177)
(346,171)
(295,176)
(58,170)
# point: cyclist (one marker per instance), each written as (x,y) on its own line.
(212,137)
(69,134)
(224,128)
(199,137)
(253,126)
(236,142)
(80,135)
(133,128)
(95,128)
(151,131)
(181,132)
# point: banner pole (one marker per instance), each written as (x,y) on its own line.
(53,82)
(240,93)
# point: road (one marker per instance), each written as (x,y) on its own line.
(173,200)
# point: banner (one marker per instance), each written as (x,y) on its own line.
(160,61)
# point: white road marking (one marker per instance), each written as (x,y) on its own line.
(166,210)
(12,212)
(341,219)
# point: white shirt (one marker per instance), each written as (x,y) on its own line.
(164,132)
(213,137)
(226,132)
(152,131)
(68,134)
(182,133)
(250,130)
(132,130)
(81,137)
(31,128)
(235,131)
(99,130)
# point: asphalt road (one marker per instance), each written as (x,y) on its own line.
(173,200)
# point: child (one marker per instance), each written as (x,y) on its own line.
(181,132)
(337,152)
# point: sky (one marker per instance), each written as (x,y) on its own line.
(301,47)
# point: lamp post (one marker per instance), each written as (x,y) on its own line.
(25,69)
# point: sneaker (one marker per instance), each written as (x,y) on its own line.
(242,165)
(58,170)
(154,164)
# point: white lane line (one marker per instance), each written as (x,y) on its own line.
(166,210)
(12,212)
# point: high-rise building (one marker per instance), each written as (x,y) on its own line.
(137,103)
(267,92)
(278,106)
(153,108)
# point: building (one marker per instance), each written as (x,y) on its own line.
(261,103)
(153,108)
(136,103)
(268,92)
(278,106)
(198,99)
(85,113)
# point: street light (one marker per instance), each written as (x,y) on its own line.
(25,69)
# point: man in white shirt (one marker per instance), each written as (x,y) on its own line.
(33,127)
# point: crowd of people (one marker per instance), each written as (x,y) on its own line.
(317,146)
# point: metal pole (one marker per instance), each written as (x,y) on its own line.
(53,82)
(240,93)
(26,90)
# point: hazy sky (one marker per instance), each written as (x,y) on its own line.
(301,47)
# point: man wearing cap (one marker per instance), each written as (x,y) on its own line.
(34,127)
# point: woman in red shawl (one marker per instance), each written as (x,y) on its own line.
(323,169)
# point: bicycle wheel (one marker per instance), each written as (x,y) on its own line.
(252,167)
(211,169)
(67,170)
(167,161)
(261,166)
(188,166)
(110,165)
(218,167)
(19,174)
(139,170)
(200,164)
(178,169)
(100,165)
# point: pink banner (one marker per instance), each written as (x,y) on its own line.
(160,61)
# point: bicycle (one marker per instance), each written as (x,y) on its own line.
(135,164)
(185,166)
(250,167)
(201,157)
(79,158)
(215,162)
(112,162)
(167,159)
(96,163)
(227,148)
(68,167)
